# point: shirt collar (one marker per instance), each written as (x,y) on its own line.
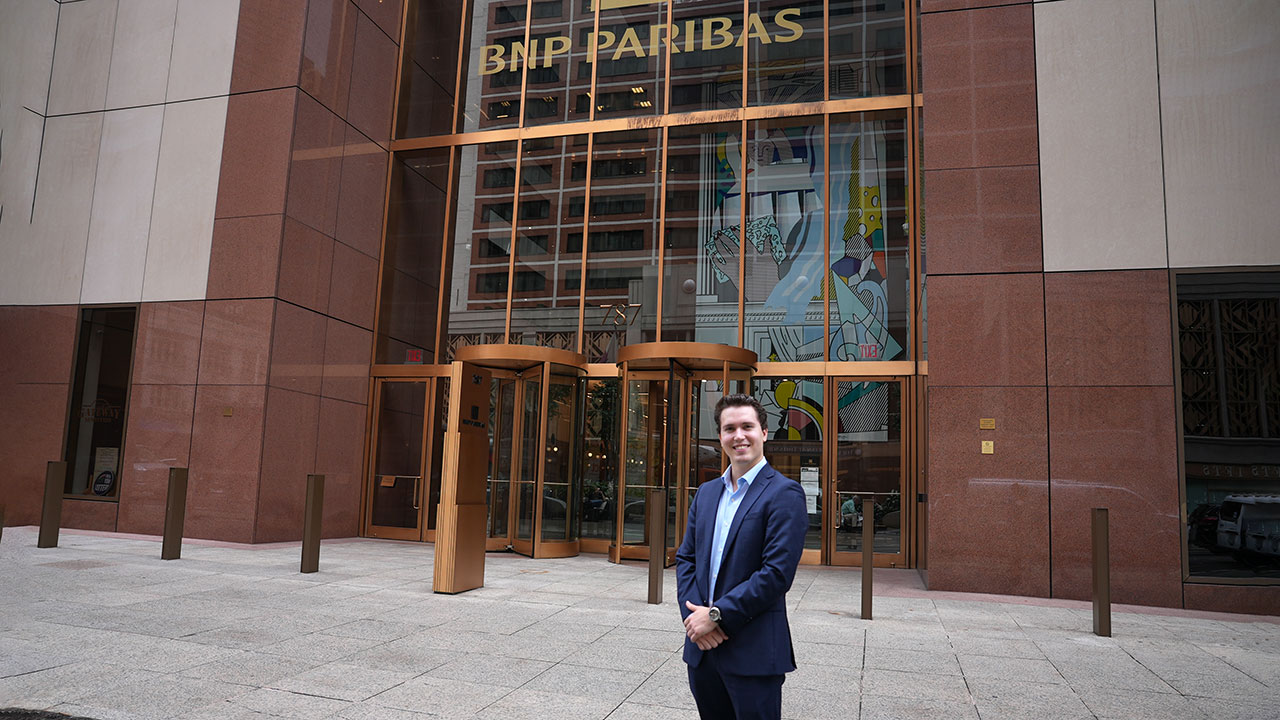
(747,478)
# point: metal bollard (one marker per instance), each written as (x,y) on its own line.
(657,518)
(868,554)
(311,521)
(55,481)
(1101,573)
(175,513)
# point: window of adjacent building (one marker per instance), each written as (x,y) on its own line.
(1229,354)
(99,402)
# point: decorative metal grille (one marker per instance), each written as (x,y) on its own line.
(1230,351)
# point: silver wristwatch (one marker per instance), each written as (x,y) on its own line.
(714,614)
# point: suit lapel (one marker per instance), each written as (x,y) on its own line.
(757,488)
(706,529)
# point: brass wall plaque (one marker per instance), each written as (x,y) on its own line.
(986,423)
(988,447)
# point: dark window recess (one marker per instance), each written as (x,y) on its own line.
(682,202)
(536,144)
(516,13)
(612,168)
(686,94)
(493,248)
(500,177)
(500,149)
(535,210)
(544,107)
(529,210)
(493,212)
(535,174)
(538,75)
(622,66)
(609,205)
(504,109)
(99,400)
(603,278)
(684,164)
(614,102)
(684,238)
(531,245)
(496,282)
(607,241)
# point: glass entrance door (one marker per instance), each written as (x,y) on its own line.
(535,456)
(402,499)
(671,445)
(868,465)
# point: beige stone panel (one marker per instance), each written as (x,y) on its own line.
(1220,103)
(26,55)
(82,56)
(121,217)
(186,191)
(42,250)
(1102,202)
(26,59)
(204,43)
(140,52)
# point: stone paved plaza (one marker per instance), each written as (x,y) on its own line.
(100,627)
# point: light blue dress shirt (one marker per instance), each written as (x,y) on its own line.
(729,502)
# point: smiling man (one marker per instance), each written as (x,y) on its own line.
(734,567)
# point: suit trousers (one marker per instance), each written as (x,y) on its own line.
(722,696)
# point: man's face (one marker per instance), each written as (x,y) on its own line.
(741,436)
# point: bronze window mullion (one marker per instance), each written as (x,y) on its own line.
(742,236)
(460,107)
(447,254)
(593,52)
(826,240)
(746,52)
(529,58)
(586,241)
(511,247)
(661,239)
(826,50)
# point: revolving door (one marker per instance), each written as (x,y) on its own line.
(535,432)
(670,440)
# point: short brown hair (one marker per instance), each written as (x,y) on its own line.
(739,400)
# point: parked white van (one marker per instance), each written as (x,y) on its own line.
(1250,522)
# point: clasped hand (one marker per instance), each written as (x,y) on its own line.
(700,629)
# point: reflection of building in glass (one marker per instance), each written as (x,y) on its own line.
(1229,340)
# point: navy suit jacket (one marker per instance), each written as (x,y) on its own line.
(761,553)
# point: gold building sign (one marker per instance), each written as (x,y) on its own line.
(700,35)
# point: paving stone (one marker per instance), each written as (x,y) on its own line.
(236,632)
(1018,669)
(997,699)
(491,670)
(1137,705)
(440,696)
(880,707)
(937,663)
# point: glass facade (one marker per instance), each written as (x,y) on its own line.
(585,176)
(1229,352)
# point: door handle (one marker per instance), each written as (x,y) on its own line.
(417,488)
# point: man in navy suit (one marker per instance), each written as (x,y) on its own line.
(739,555)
